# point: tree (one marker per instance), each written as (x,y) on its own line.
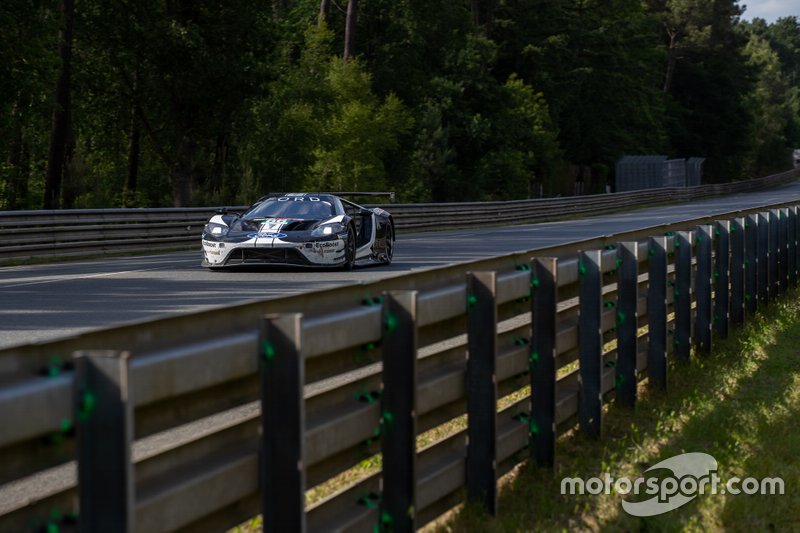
(597,65)
(357,135)
(687,26)
(187,68)
(323,125)
(29,64)
(350,30)
(204,102)
(773,54)
(324,11)
(60,153)
(706,84)
(772,97)
(784,37)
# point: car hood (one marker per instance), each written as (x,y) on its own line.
(273,225)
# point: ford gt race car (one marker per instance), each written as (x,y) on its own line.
(299,229)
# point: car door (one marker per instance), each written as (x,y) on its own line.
(365,226)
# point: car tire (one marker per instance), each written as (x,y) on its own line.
(388,246)
(350,249)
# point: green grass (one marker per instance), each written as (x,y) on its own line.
(740,404)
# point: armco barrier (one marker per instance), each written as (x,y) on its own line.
(80,232)
(346,373)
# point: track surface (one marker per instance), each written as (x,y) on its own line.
(43,302)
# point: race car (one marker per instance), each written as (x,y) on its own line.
(299,229)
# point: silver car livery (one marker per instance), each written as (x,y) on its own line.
(299,229)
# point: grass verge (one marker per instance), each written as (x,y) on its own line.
(741,405)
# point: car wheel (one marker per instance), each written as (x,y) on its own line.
(388,253)
(350,249)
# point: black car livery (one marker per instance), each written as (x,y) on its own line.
(299,229)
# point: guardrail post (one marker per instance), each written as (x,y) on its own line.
(544,313)
(627,321)
(482,389)
(774,254)
(721,276)
(751,263)
(703,284)
(657,312)
(737,270)
(791,246)
(783,243)
(590,343)
(399,407)
(683,295)
(282,370)
(103,414)
(763,258)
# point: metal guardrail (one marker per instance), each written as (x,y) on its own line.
(349,372)
(80,232)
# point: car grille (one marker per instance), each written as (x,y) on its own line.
(284,256)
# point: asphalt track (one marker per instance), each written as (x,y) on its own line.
(42,302)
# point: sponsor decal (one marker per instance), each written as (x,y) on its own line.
(298,199)
(266,235)
(275,220)
(329,244)
(213,252)
(274,225)
(209,244)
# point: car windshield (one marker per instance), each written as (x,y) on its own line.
(299,207)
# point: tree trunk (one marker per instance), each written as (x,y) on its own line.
(672,60)
(182,173)
(133,156)
(14,161)
(134,139)
(324,11)
(70,186)
(62,111)
(350,29)
(482,15)
(475,7)
(219,165)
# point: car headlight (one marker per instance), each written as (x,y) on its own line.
(217,230)
(326,230)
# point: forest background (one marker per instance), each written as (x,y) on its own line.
(147,103)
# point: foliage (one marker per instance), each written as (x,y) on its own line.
(324,128)
(201,102)
(779,103)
